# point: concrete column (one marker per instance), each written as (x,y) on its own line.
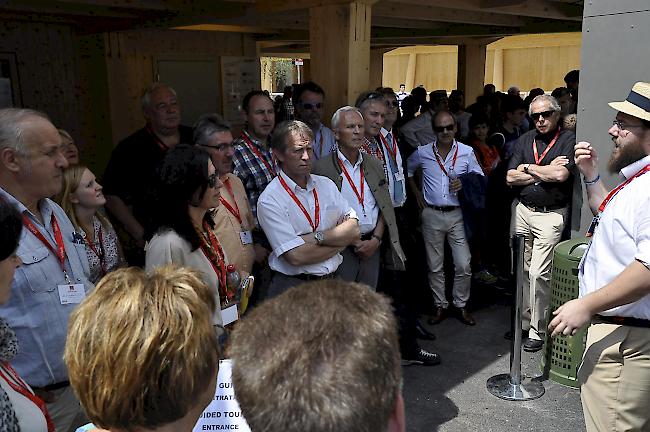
(471,70)
(339,37)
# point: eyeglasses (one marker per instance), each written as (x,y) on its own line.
(309,106)
(220,147)
(212,180)
(444,128)
(623,126)
(545,114)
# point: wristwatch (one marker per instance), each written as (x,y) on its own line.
(526,168)
(319,237)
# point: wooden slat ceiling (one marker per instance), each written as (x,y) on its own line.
(282,25)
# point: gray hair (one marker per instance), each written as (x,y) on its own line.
(12,127)
(145,100)
(207,125)
(285,129)
(555,106)
(336,118)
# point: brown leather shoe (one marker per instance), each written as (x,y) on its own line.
(465,317)
(439,316)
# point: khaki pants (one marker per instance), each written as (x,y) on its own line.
(542,233)
(615,377)
(436,225)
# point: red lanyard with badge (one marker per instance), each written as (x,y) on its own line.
(360,196)
(234,210)
(214,253)
(19,386)
(312,222)
(252,147)
(608,198)
(441,163)
(538,158)
(59,252)
(392,147)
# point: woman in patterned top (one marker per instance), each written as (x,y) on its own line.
(82,200)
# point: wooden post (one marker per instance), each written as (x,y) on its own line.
(339,37)
(376,68)
(471,70)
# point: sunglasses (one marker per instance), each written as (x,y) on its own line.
(309,106)
(545,114)
(212,180)
(443,128)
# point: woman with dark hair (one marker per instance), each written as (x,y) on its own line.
(182,230)
(20,408)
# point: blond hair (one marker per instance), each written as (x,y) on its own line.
(71,181)
(141,348)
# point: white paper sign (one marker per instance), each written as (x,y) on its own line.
(223,413)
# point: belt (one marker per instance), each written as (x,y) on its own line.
(544,209)
(307,277)
(443,208)
(54,386)
(626,321)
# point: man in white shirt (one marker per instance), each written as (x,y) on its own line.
(614,277)
(305,218)
(309,100)
(388,138)
(442,162)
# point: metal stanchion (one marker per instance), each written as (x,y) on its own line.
(510,386)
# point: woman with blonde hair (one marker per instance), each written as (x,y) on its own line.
(82,199)
(141,351)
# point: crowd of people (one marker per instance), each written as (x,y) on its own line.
(347,209)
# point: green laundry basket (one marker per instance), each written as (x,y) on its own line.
(565,352)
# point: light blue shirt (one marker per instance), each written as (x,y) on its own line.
(325,136)
(34,310)
(435,182)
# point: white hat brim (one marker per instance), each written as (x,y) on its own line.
(631,109)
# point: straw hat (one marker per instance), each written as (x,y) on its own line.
(637,103)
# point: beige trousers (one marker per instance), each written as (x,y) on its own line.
(542,233)
(615,377)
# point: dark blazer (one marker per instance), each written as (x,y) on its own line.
(373,171)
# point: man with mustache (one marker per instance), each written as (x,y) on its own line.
(541,172)
(131,173)
(614,276)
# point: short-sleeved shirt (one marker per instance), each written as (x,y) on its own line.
(132,171)
(545,194)
(283,222)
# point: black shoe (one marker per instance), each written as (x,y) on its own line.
(440,315)
(533,345)
(422,333)
(421,357)
(508,335)
(465,317)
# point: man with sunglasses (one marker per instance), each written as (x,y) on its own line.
(614,276)
(541,173)
(308,100)
(441,162)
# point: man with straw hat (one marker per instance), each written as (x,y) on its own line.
(615,276)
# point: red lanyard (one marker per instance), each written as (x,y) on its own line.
(440,162)
(392,150)
(354,188)
(99,254)
(618,188)
(16,383)
(59,252)
(314,225)
(538,159)
(214,253)
(252,147)
(234,210)
(376,153)
(162,145)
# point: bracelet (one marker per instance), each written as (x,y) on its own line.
(592,182)
(375,236)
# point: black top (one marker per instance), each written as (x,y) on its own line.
(132,171)
(545,194)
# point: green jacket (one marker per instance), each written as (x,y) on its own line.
(373,171)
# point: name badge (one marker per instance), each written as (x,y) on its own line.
(229,315)
(71,293)
(246,237)
(399,177)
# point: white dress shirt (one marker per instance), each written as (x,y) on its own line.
(622,236)
(368,213)
(396,180)
(419,131)
(324,142)
(435,182)
(283,222)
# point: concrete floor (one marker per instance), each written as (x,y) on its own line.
(453,395)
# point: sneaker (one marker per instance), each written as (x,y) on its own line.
(486,277)
(421,357)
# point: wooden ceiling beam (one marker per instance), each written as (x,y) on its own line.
(289,5)
(433,13)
